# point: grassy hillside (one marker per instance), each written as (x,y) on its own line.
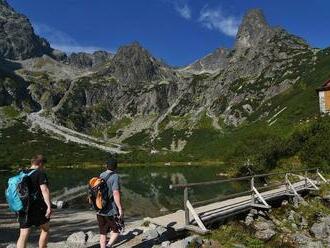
(279,122)
(18,145)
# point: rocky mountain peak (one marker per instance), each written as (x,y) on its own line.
(252,29)
(134,51)
(17,37)
(133,63)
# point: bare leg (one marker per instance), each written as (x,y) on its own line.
(103,240)
(23,237)
(113,237)
(43,240)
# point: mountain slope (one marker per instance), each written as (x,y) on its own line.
(195,112)
(17,37)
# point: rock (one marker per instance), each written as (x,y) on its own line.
(253,212)
(17,37)
(77,239)
(294,226)
(265,234)
(92,237)
(301,239)
(321,230)
(178,244)
(314,244)
(60,204)
(150,234)
(163,209)
(264,229)
(284,203)
(87,60)
(248,220)
(303,223)
(166,244)
(212,62)
(11,246)
(239,246)
(295,201)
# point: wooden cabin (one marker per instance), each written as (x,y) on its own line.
(324,97)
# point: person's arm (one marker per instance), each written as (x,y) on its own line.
(117,199)
(115,186)
(46,195)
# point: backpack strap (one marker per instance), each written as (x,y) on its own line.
(31,172)
(108,176)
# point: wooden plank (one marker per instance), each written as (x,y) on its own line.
(310,181)
(195,215)
(260,197)
(261,206)
(322,177)
(186,210)
(196,229)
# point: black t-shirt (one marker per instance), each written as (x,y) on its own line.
(37,178)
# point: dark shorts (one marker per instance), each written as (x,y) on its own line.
(34,217)
(107,224)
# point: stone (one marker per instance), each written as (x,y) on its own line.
(303,223)
(150,234)
(264,229)
(248,220)
(266,234)
(166,244)
(300,238)
(321,230)
(253,212)
(284,203)
(77,238)
(92,237)
(314,244)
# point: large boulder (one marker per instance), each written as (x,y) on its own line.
(265,229)
(77,240)
(321,229)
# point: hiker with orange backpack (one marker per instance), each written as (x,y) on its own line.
(104,195)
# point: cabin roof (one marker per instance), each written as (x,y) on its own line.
(325,86)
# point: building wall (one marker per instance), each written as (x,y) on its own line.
(324,99)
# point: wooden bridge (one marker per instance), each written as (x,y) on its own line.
(196,216)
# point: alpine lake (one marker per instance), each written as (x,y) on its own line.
(145,189)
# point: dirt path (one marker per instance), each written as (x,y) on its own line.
(64,223)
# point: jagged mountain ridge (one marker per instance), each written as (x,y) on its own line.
(132,92)
(17,37)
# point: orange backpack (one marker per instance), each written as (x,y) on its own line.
(98,195)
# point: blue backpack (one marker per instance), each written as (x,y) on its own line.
(17,193)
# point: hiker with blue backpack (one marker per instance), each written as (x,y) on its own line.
(28,195)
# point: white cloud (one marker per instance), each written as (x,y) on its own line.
(215,19)
(183,9)
(61,40)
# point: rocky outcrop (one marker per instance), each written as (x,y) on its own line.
(13,91)
(88,60)
(213,62)
(17,38)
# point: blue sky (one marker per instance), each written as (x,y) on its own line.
(178,31)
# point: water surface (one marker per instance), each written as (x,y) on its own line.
(145,188)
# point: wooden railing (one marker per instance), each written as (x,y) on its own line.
(254,191)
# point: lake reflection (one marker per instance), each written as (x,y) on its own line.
(145,188)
